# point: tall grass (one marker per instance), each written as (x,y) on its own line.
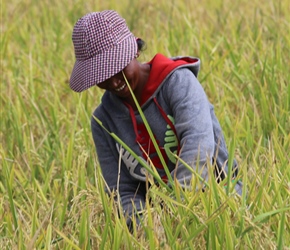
(51,188)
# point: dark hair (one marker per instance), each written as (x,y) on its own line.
(141,44)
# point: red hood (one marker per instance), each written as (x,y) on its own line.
(161,67)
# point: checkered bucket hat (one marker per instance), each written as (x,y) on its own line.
(103,47)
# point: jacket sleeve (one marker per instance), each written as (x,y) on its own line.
(193,123)
(131,191)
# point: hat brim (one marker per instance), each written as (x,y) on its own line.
(102,66)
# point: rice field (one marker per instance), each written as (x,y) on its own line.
(51,188)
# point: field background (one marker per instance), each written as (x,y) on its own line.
(51,191)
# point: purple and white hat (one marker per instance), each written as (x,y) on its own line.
(103,47)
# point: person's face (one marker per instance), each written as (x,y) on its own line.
(117,84)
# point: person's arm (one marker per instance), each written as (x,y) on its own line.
(131,191)
(193,123)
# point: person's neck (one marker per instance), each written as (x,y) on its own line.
(143,78)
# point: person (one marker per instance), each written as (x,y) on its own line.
(171,98)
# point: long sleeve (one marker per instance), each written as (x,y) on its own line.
(198,130)
(193,123)
(132,192)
